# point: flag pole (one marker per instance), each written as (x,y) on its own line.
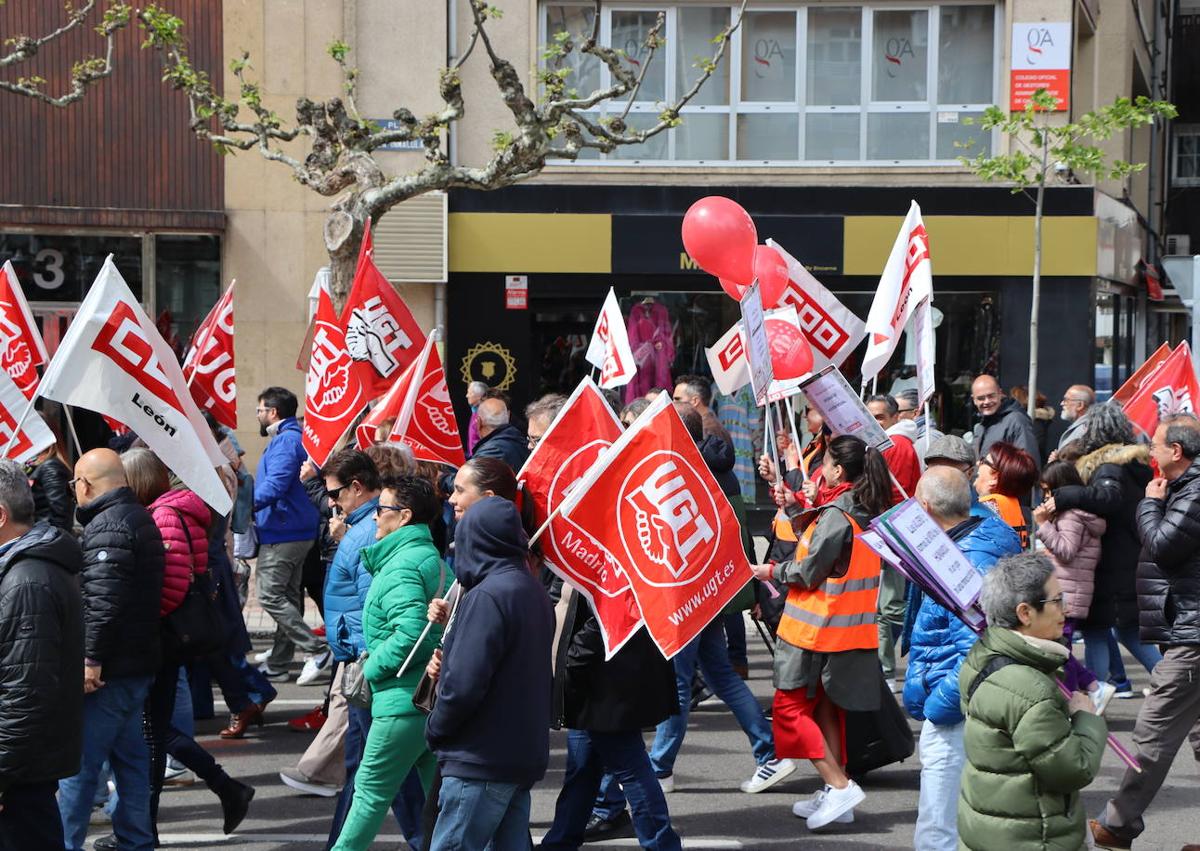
(928,425)
(71,426)
(421,638)
(791,412)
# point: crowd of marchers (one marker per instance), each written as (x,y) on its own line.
(448,649)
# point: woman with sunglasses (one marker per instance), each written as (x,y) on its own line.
(1004,480)
(406,575)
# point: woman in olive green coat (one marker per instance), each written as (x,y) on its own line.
(1029,749)
(407,574)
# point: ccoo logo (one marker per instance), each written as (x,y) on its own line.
(330,394)
(668,520)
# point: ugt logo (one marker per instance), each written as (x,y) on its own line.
(432,416)
(16,358)
(123,341)
(668,511)
(328,390)
(1169,401)
(374,335)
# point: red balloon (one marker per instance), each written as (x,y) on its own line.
(791,356)
(720,236)
(734,291)
(772,273)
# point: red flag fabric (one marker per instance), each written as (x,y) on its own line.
(382,336)
(21,347)
(419,405)
(651,501)
(1127,390)
(582,431)
(333,393)
(208,367)
(1172,389)
(25,444)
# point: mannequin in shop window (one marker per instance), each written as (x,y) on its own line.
(650,339)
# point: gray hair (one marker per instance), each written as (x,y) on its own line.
(15,494)
(947,492)
(1183,429)
(493,419)
(1106,423)
(1012,581)
(548,406)
(889,401)
(477,387)
(635,408)
(911,396)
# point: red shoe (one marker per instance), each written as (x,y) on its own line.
(319,631)
(309,723)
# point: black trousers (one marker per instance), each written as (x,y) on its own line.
(30,819)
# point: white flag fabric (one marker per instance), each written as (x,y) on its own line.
(34,435)
(923,331)
(832,329)
(609,349)
(112,360)
(727,361)
(907,281)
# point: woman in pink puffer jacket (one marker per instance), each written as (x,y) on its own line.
(1072,540)
(183,519)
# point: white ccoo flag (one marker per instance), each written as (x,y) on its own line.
(609,349)
(832,329)
(112,360)
(907,281)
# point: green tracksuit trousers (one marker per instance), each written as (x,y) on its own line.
(394,745)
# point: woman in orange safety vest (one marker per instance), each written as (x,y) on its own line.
(1006,476)
(825,658)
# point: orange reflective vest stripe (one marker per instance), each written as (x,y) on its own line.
(782,527)
(840,613)
(1009,509)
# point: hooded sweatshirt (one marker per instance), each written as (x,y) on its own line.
(491,721)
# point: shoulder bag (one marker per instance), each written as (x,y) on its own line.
(195,628)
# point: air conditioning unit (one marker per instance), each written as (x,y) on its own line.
(1178,244)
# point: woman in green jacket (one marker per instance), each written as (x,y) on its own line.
(407,574)
(1029,749)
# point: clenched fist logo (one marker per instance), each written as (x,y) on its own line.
(374,336)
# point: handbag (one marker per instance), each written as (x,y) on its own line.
(355,687)
(195,628)
(425,694)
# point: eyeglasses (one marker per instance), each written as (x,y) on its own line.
(987,462)
(1058,601)
(76,479)
(381,508)
(990,397)
(334,493)
(532,441)
(905,410)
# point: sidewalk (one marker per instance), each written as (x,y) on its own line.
(259,624)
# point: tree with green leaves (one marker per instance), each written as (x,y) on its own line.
(1043,152)
(555,123)
(87,71)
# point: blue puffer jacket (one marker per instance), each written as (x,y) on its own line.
(282,510)
(347,583)
(940,641)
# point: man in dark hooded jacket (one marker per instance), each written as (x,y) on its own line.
(490,725)
(41,657)
(1001,419)
(498,438)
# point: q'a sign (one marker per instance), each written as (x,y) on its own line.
(1041,59)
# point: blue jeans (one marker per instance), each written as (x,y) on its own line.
(112,730)
(624,755)
(942,756)
(182,719)
(735,636)
(476,813)
(407,806)
(1103,657)
(709,650)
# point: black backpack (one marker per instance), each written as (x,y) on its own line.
(878,738)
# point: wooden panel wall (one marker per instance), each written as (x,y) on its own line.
(123,157)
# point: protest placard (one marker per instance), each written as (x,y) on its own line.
(844,413)
(758,347)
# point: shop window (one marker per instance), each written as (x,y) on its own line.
(808,84)
(1186,162)
(61,268)
(187,283)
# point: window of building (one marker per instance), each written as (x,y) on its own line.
(187,283)
(1185,169)
(816,85)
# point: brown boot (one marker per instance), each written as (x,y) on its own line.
(1105,838)
(239,721)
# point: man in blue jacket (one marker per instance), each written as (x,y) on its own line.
(490,727)
(940,642)
(287,522)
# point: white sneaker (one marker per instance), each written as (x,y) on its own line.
(837,802)
(178,776)
(667,783)
(315,668)
(768,774)
(301,782)
(804,809)
(1101,696)
(260,658)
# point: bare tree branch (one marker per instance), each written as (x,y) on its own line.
(84,73)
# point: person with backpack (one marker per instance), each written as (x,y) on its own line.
(1029,749)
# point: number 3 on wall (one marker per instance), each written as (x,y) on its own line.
(50,277)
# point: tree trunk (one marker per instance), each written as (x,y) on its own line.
(1035,307)
(344,230)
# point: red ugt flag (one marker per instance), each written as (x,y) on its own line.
(651,501)
(333,394)
(423,417)
(1172,389)
(21,347)
(208,367)
(382,336)
(579,435)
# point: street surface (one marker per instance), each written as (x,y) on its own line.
(707,808)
